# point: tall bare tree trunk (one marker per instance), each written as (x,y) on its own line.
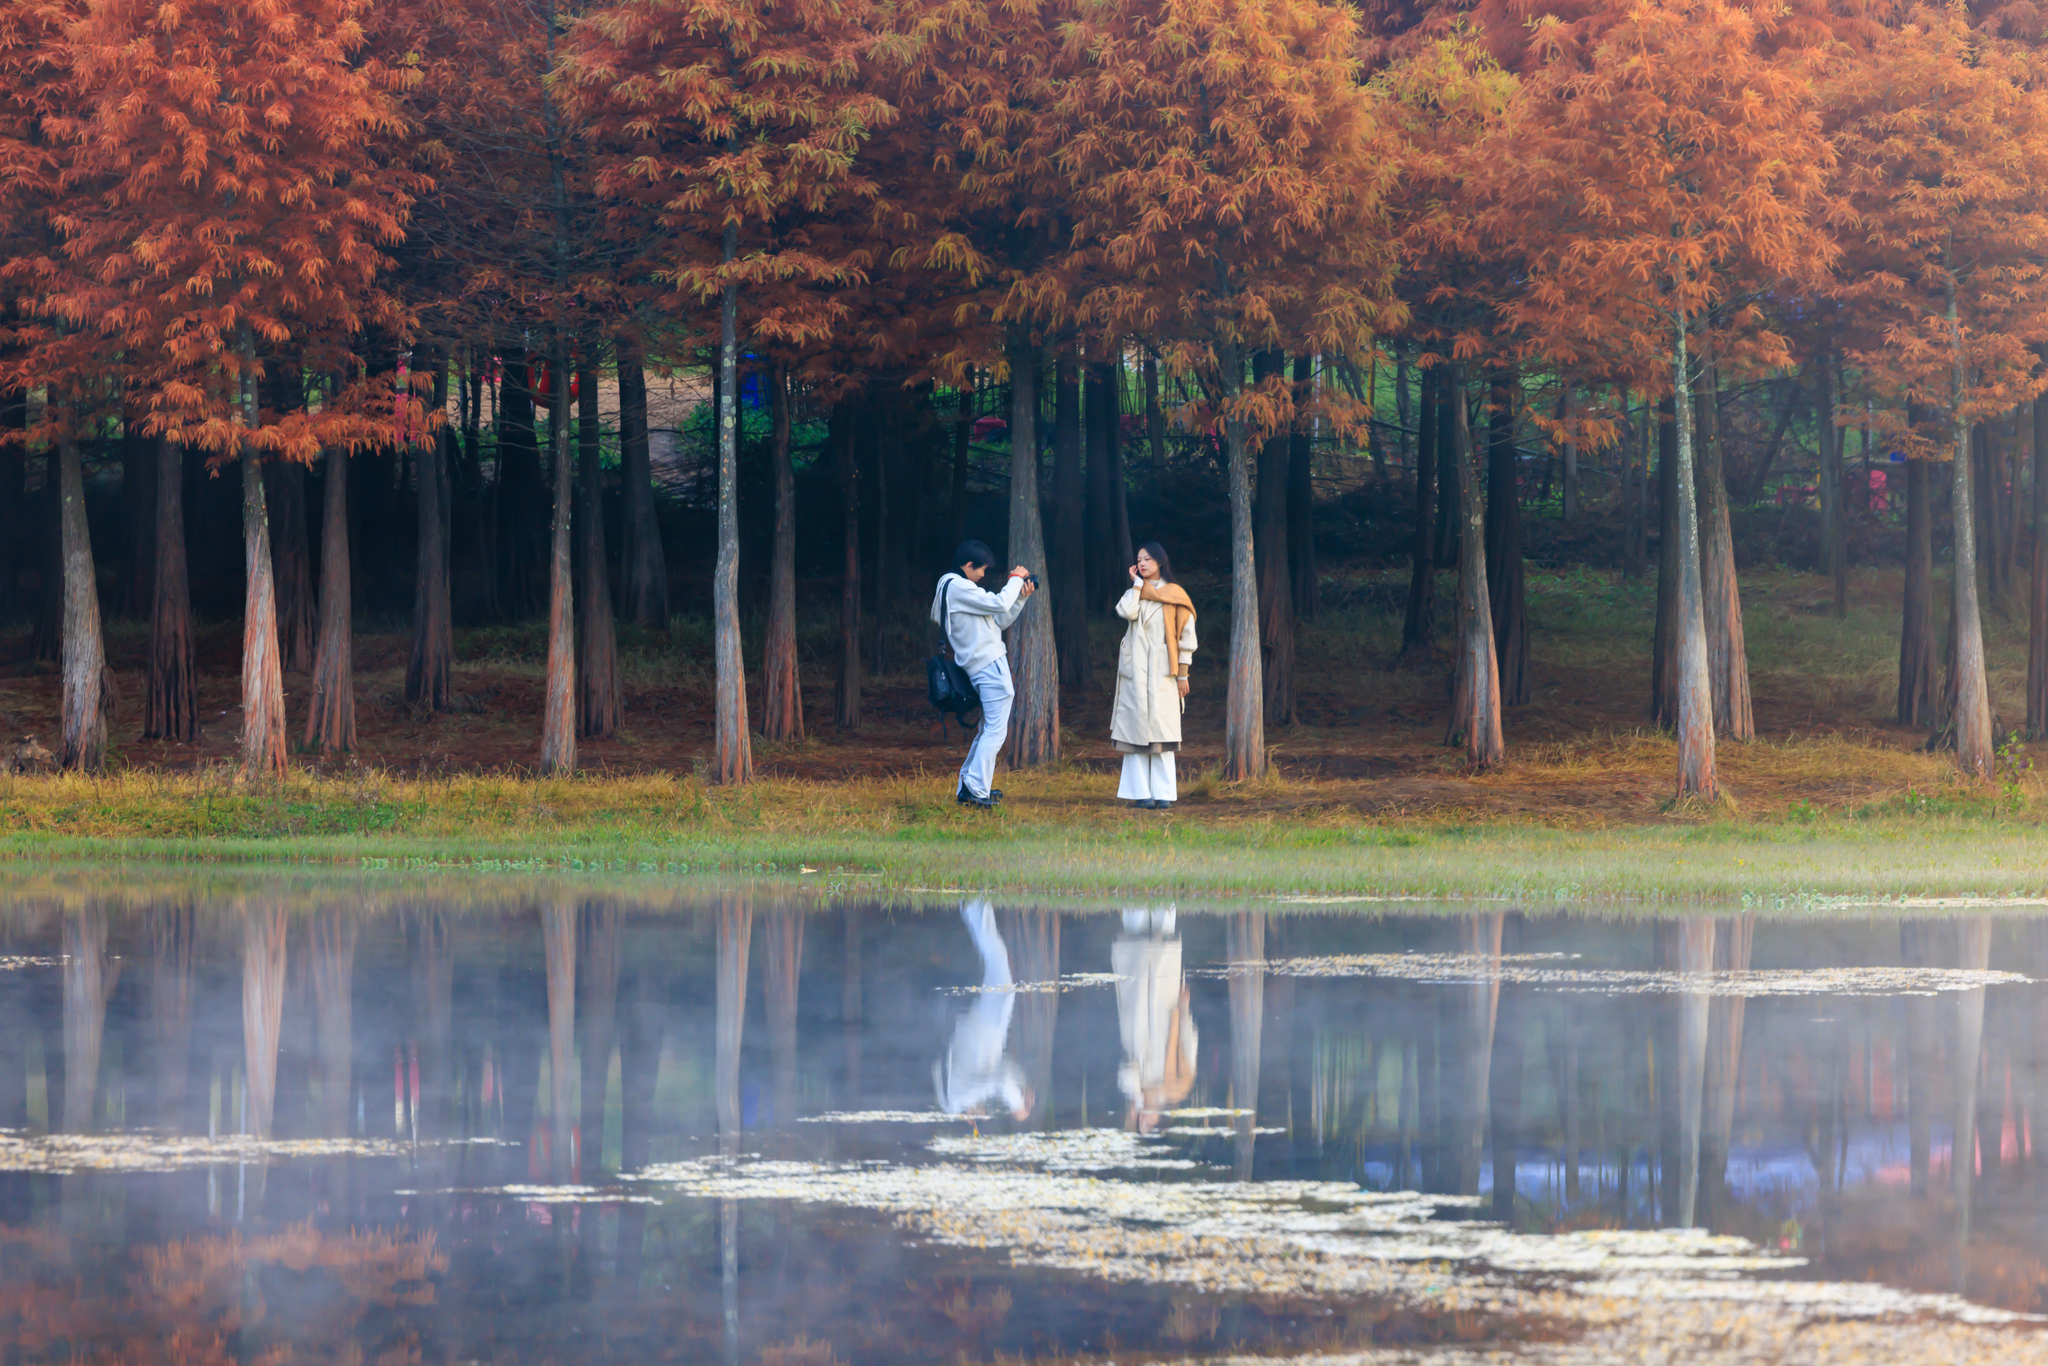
(1918,702)
(558,949)
(846,416)
(963,439)
(429,669)
(1302,574)
(84,738)
(1104,564)
(262,679)
(173,930)
(1571,459)
(1664,641)
(735,930)
(646,567)
(782,702)
(331,722)
(263,963)
(173,710)
(1418,625)
(1696,776)
(597,963)
(558,725)
(1244,715)
(1068,571)
(733,761)
(1833,539)
(1505,577)
(1121,550)
(784,952)
(1276,590)
(1727,653)
(1034,656)
(1475,706)
(2037,603)
(292,563)
(600,696)
(1972,715)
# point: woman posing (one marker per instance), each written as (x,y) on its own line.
(1151,679)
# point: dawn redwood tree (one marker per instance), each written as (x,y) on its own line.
(1226,176)
(84,717)
(600,696)
(727,119)
(429,667)
(234,183)
(1661,156)
(1942,134)
(1476,697)
(172,709)
(558,716)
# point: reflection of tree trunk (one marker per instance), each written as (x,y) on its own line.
(1245,949)
(1732,939)
(1504,1102)
(172,932)
(1695,960)
(334,965)
(599,994)
(735,928)
(263,949)
(785,954)
(1974,943)
(87,984)
(1477,1008)
(558,940)
(433,980)
(1034,940)
(639,1065)
(1916,950)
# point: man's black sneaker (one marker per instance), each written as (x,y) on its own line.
(995,794)
(966,798)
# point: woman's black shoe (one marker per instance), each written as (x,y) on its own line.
(966,798)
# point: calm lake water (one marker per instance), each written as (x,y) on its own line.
(457,1124)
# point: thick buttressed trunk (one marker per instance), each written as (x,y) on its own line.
(1475,706)
(173,708)
(1244,724)
(732,744)
(1276,592)
(331,723)
(1418,624)
(1727,654)
(519,493)
(291,561)
(1068,571)
(2037,602)
(558,722)
(1505,589)
(429,668)
(1970,716)
(1834,548)
(1918,701)
(1034,655)
(645,566)
(1695,701)
(600,698)
(1301,502)
(846,693)
(84,739)
(782,696)
(1664,643)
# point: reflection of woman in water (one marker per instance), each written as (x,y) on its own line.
(1153,1017)
(977,1068)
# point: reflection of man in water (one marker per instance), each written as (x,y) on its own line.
(976,1068)
(1152,1015)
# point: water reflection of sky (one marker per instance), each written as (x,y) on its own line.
(736,1125)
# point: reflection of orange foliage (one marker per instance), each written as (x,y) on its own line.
(198,1302)
(800,1352)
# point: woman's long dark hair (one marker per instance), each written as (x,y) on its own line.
(1159,557)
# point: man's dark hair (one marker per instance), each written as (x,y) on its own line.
(974,553)
(1158,554)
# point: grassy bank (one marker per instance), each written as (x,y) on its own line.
(1058,833)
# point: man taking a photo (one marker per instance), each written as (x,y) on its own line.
(974,620)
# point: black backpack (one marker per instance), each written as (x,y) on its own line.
(946,683)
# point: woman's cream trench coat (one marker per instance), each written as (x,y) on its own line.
(1147,711)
